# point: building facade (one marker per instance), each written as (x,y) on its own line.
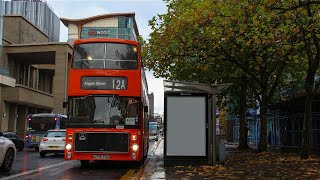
(39,13)
(151,104)
(117,25)
(1,24)
(33,64)
(39,69)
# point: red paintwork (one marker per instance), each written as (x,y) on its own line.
(135,89)
(134,76)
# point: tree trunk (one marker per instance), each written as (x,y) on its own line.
(310,87)
(263,123)
(305,144)
(243,132)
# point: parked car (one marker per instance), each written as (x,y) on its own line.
(19,143)
(7,153)
(53,141)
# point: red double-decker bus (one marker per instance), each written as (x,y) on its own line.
(107,102)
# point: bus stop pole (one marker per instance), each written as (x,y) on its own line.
(210,128)
(214,126)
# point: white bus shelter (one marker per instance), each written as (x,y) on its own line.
(189,122)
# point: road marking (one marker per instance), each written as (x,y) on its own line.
(31,176)
(127,175)
(36,170)
(54,169)
(139,174)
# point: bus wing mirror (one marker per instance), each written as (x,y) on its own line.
(146,109)
(65,104)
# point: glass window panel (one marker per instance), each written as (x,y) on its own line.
(122,22)
(104,110)
(105,56)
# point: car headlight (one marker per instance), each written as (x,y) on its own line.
(68,147)
(135,147)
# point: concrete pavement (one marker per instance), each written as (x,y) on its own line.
(248,164)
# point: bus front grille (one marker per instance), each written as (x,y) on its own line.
(101,142)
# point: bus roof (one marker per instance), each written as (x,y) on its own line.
(109,40)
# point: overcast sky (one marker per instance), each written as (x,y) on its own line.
(144,10)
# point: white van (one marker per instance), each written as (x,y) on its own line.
(154,133)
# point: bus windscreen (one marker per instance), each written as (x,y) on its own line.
(104,111)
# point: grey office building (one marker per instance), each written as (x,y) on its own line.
(151,104)
(1,27)
(39,13)
(33,65)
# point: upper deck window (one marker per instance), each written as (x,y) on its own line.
(105,56)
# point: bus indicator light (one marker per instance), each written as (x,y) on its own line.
(69,155)
(133,137)
(69,136)
(134,156)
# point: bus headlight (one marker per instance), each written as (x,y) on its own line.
(68,147)
(135,147)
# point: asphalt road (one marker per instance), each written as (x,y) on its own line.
(29,165)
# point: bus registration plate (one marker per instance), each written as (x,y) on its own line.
(101,157)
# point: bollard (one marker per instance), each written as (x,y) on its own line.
(222,152)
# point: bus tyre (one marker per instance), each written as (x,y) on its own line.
(42,154)
(141,162)
(84,163)
(146,155)
(7,161)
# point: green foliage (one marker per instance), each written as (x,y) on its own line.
(307,21)
(250,42)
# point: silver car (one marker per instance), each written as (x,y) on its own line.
(53,141)
(7,153)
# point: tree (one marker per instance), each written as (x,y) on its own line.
(193,64)
(244,39)
(306,16)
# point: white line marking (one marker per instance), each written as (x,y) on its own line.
(54,169)
(39,169)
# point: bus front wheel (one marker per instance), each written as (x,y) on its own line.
(84,163)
